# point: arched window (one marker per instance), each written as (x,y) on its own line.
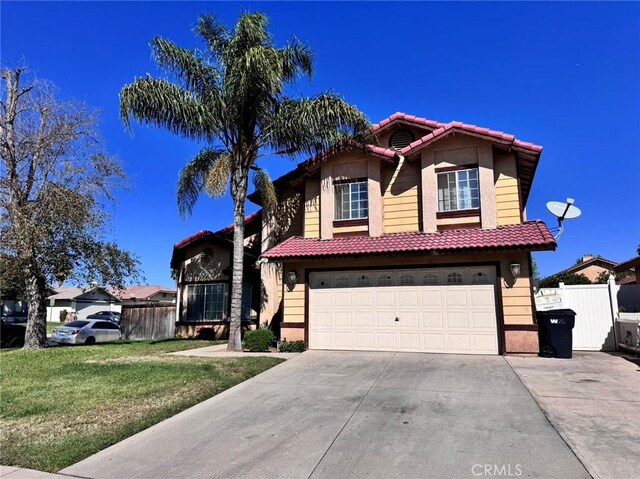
(454,278)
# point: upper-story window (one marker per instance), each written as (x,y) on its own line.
(458,190)
(351,200)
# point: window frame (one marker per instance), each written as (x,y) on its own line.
(189,307)
(456,173)
(337,185)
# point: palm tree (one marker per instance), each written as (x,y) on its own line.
(232,96)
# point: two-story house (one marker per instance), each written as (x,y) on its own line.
(419,243)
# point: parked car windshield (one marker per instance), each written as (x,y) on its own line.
(77,324)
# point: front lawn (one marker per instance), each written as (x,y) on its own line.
(60,405)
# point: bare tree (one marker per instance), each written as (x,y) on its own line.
(56,189)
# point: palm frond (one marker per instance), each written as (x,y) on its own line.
(297,60)
(162,103)
(311,125)
(218,176)
(263,184)
(187,65)
(193,178)
(214,33)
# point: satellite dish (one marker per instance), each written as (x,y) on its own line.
(563,211)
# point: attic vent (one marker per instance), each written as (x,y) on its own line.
(400,139)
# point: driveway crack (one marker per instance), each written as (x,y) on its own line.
(352,414)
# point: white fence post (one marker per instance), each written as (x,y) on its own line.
(613,300)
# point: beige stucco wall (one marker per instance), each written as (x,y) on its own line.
(507,190)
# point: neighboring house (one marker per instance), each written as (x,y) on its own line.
(149,294)
(419,243)
(589,266)
(83,301)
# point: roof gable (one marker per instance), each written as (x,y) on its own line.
(527,154)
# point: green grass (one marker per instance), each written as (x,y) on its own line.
(60,405)
(52,326)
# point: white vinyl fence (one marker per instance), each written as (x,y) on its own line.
(596,307)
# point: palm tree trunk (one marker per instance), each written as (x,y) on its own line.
(36,287)
(239,186)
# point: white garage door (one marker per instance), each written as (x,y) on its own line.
(446,310)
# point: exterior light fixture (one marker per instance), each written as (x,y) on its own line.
(292,276)
(515,270)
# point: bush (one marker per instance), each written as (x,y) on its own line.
(258,340)
(63,315)
(293,347)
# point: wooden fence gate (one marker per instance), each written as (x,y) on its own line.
(148,321)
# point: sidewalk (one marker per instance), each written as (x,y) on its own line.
(10,472)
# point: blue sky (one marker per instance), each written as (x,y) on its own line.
(563,75)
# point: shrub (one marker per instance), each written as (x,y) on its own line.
(293,347)
(258,340)
(63,315)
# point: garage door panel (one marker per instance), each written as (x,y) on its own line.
(434,342)
(456,297)
(433,320)
(323,319)
(387,341)
(409,341)
(343,320)
(322,298)
(364,320)
(363,298)
(459,343)
(385,320)
(342,298)
(364,340)
(457,320)
(385,298)
(409,320)
(483,320)
(343,339)
(347,312)
(432,299)
(407,300)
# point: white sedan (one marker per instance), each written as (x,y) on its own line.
(88,331)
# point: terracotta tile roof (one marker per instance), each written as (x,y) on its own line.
(533,235)
(204,234)
(141,292)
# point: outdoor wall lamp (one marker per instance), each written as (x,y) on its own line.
(515,271)
(292,276)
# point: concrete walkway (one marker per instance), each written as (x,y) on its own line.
(353,414)
(220,351)
(593,400)
(10,472)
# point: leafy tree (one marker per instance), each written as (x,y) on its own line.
(535,272)
(566,278)
(603,276)
(232,96)
(56,185)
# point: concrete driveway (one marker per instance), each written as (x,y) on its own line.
(354,414)
(593,400)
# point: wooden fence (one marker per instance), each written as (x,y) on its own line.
(148,321)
